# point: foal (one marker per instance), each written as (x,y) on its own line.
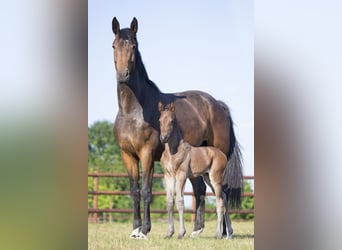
(180,160)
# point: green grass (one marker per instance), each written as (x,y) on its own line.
(116,236)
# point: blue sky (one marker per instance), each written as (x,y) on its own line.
(184,45)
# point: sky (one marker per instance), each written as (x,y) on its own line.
(185,45)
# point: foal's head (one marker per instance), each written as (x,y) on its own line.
(166,120)
(124,45)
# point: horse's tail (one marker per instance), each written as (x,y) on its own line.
(233,175)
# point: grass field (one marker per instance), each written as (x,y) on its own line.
(116,236)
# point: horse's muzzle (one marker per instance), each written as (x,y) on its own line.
(123,77)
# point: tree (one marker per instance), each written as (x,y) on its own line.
(104,156)
(247,203)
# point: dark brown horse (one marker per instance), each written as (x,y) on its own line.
(202,120)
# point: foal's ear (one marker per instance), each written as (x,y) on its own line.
(115,26)
(160,106)
(172,107)
(134,25)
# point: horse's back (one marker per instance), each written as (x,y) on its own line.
(203,120)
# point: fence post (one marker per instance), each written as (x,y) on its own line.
(110,214)
(95,188)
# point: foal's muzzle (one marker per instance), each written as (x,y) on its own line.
(164,138)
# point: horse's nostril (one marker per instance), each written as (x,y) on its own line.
(127,73)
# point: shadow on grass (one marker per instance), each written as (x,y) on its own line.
(243,236)
(235,236)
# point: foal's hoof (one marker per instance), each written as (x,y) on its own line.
(218,236)
(137,234)
(180,236)
(168,236)
(195,234)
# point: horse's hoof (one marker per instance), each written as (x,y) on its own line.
(229,237)
(142,236)
(195,234)
(137,234)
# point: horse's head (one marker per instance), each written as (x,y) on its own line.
(166,120)
(125,46)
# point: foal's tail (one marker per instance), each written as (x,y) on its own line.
(233,176)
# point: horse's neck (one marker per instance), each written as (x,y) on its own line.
(176,139)
(128,102)
(136,92)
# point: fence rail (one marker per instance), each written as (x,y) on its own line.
(95,192)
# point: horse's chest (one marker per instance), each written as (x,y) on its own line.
(133,133)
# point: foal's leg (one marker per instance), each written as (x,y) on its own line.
(199,189)
(219,210)
(216,179)
(180,184)
(219,205)
(131,165)
(170,190)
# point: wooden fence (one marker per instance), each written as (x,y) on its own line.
(92,212)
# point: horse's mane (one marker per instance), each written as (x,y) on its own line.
(142,70)
(126,34)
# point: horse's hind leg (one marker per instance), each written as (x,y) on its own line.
(131,165)
(199,189)
(228,224)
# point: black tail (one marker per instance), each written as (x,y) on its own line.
(233,176)
(233,179)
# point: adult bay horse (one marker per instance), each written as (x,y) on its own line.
(202,121)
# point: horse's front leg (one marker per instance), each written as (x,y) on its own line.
(180,184)
(170,191)
(146,189)
(199,189)
(131,165)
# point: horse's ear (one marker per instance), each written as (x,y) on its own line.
(160,106)
(134,25)
(172,107)
(115,26)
